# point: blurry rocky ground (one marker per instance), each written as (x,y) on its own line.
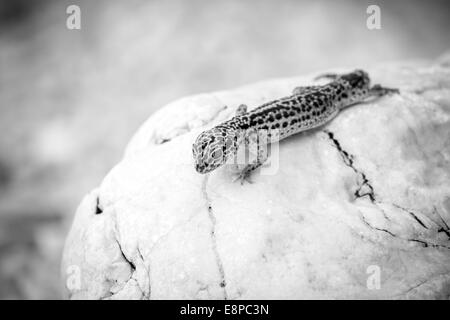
(70,100)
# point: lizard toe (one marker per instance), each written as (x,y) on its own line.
(243,176)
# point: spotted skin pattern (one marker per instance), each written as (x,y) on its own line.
(307,108)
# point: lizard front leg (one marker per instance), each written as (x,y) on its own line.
(255,140)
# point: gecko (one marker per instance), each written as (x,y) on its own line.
(308,107)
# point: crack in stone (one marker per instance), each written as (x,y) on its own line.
(411,214)
(429,244)
(147,270)
(98,207)
(348,161)
(163,140)
(414,287)
(132,265)
(421,283)
(424,243)
(213,237)
(445,228)
(133,269)
(379,229)
(365,188)
(447,232)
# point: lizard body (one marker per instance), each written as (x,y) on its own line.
(307,108)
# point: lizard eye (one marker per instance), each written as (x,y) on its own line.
(217,154)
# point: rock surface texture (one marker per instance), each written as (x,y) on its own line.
(362,199)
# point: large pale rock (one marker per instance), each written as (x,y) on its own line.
(367,195)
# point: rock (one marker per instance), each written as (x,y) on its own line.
(359,208)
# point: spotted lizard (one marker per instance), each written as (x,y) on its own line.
(307,108)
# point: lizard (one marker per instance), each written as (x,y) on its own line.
(308,107)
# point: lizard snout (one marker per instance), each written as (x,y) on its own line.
(199,168)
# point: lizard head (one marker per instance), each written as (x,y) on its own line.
(212,149)
(358,79)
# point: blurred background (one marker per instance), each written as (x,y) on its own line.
(71,99)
